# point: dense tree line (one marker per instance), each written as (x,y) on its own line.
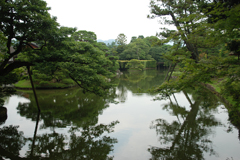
(139,48)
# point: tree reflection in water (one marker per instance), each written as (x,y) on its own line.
(89,143)
(62,108)
(69,109)
(138,82)
(12,141)
(188,136)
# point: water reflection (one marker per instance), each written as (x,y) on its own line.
(12,141)
(61,108)
(138,82)
(188,136)
(88,143)
(5,93)
(71,110)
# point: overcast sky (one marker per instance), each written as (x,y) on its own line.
(107,18)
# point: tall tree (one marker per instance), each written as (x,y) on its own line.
(121,39)
(188,20)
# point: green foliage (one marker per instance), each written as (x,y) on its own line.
(5,92)
(85,36)
(115,64)
(135,64)
(195,74)
(157,52)
(121,39)
(202,30)
(13,76)
(102,46)
(234,45)
(23,22)
(231,88)
(191,30)
(123,64)
(3,46)
(196,122)
(140,37)
(139,82)
(234,116)
(230,85)
(41,84)
(11,134)
(9,79)
(225,19)
(192,75)
(152,41)
(145,63)
(133,39)
(60,52)
(38,76)
(135,50)
(68,81)
(141,48)
(56,80)
(25,84)
(113,49)
(149,63)
(119,49)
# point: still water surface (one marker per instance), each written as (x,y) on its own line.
(126,125)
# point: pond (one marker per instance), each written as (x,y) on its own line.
(129,124)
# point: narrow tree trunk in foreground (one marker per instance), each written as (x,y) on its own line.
(34,92)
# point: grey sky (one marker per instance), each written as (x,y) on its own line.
(107,18)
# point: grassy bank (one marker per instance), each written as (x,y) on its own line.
(231,106)
(25,84)
(216,84)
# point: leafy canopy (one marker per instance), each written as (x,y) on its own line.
(39,41)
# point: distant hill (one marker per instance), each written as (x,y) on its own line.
(106,41)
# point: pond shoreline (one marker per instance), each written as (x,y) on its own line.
(26,85)
(233,112)
(44,88)
(219,95)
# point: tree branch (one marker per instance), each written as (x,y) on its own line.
(13,66)
(79,83)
